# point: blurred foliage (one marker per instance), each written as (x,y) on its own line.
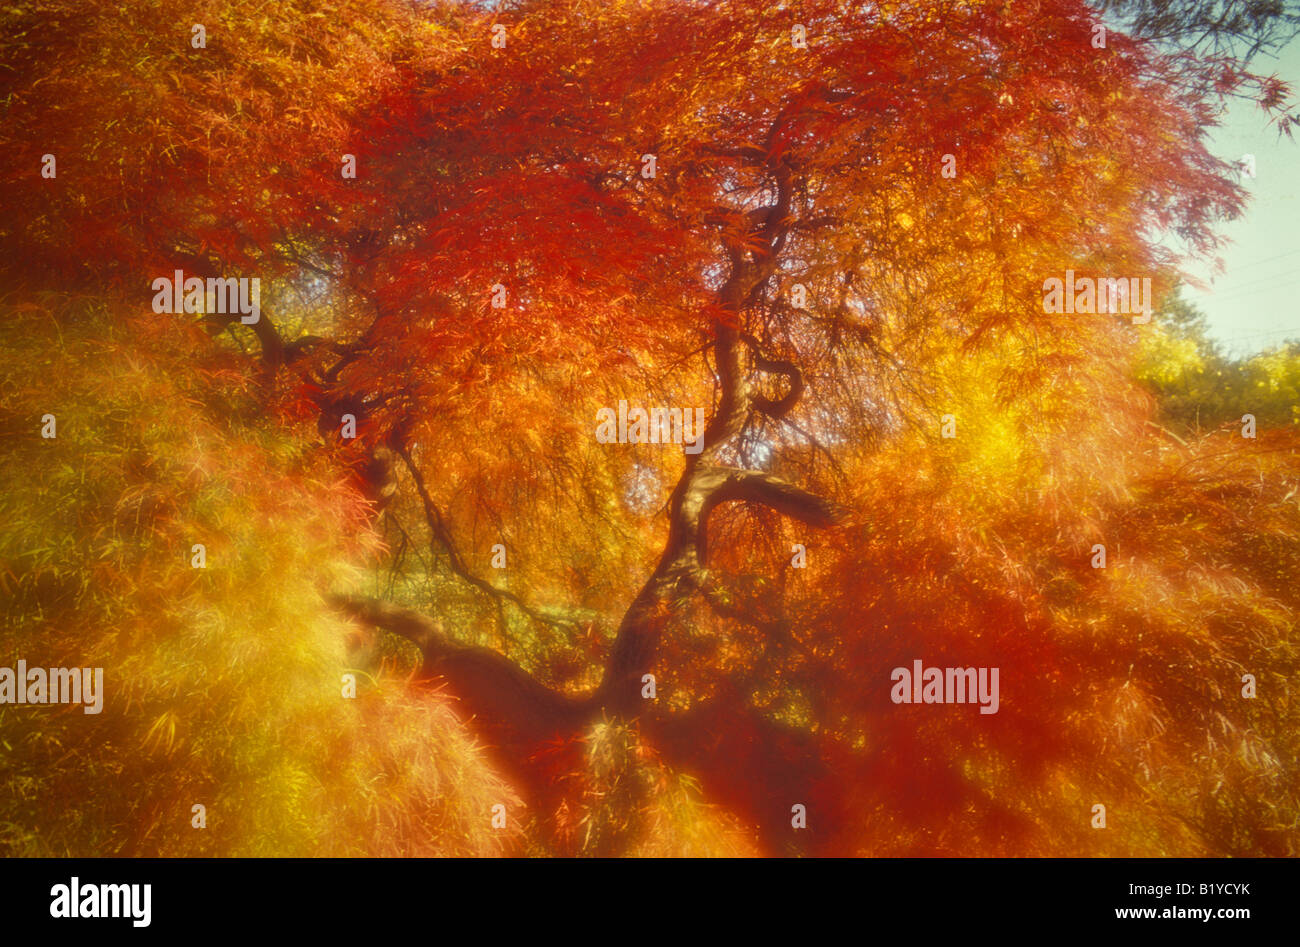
(1120,685)
(223,685)
(628,802)
(1199,387)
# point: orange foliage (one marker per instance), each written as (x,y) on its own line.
(504,265)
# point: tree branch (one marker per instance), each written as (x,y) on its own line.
(780,407)
(440,535)
(756,486)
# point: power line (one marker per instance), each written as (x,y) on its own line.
(1238,294)
(1244,282)
(1231,278)
(1269,260)
(1260,335)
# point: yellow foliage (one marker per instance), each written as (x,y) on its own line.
(223,684)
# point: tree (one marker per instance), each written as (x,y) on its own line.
(1201,388)
(828,228)
(1241,28)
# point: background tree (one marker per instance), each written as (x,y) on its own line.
(1200,388)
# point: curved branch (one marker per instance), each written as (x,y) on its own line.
(775,408)
(522,721)
(518,717)
(756,486)
(268,337)
(440,535)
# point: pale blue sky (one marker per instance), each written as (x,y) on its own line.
(1255,302)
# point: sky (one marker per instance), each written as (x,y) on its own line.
(1255,302)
